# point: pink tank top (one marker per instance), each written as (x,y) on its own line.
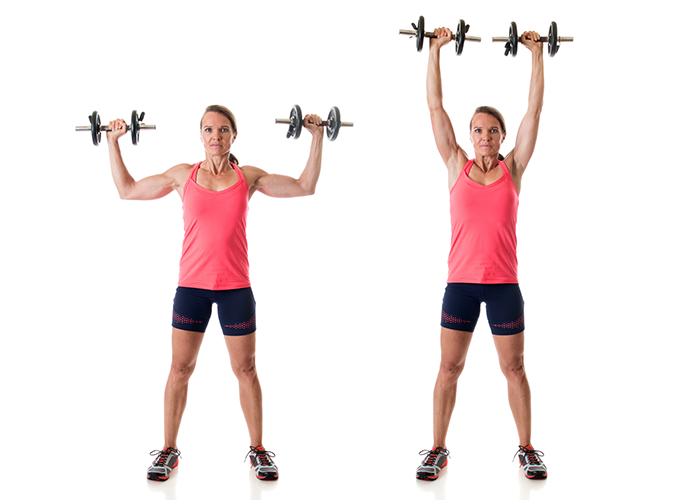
(215,249)
(483,230)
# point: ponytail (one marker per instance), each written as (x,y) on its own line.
(233,159)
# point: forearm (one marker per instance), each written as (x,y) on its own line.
(122,178)
(434,83)
(309,177)
(536,97)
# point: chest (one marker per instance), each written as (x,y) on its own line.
(494,200)
(219,182)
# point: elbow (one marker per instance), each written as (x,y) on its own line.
(126,194)
(306,188)
(434,106)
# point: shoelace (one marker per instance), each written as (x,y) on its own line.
(433,454)
(263,456)
(163,455)
(531,456)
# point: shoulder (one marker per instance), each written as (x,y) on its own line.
(180,172)
(252,174)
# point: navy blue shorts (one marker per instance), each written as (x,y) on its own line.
(192,309)
(505,308)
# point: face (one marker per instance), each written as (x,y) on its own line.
(217,134)
(486,134)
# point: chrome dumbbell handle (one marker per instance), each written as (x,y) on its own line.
(543,39)
(430,34)
(105,128)
(325,123)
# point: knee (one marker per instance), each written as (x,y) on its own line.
(450,371)
(513,369)
(181,372)
(245,372)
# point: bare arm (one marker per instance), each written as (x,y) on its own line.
(529,127)
(282,186)
(149,188)
(452,154)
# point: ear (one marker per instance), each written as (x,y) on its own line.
(235,134)
(503,137)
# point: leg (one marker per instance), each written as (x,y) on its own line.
(241,350)
(510,350)
(186,346)
(454,345)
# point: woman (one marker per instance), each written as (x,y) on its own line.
(482,261)
(214,266)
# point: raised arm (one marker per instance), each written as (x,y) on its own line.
(282,186)
(527,133)
(452,154)
(148,188)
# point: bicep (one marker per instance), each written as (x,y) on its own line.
(157,186)
(151,188)
(526,140)
(278,186)
(444,134)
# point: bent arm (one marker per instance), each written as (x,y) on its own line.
(149,188)
(452,154)
(283,186)
(529,127)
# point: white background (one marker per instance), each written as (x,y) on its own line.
(349,282)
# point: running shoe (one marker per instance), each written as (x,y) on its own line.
(530,461)
(261,461)
(166,460)
(433,463)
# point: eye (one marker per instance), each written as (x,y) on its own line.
(477,130)
(207,129)
(494,130)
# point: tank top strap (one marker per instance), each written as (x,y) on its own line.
(465,170)
(240,173)
(505,168)
(193,174)
(468,166)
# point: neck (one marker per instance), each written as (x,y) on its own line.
(216,164)
(486,163)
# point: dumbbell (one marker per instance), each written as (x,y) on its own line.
(332,125)
(553,40)
(96,128)
(459,36)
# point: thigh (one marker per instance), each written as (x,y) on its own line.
(461,306)
(236,311)
(454,345)
(186,346)
(241,350)
(191,309)
(510,349)
(505,309)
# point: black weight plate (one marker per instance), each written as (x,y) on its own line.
(513,39)
(295,127)
(95,125)
(459,37)
(333,124)
(420,33)
(553,40)
(135,127)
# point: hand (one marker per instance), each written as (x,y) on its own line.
(118,127)
(313,124)
(530,40)
(442,37)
